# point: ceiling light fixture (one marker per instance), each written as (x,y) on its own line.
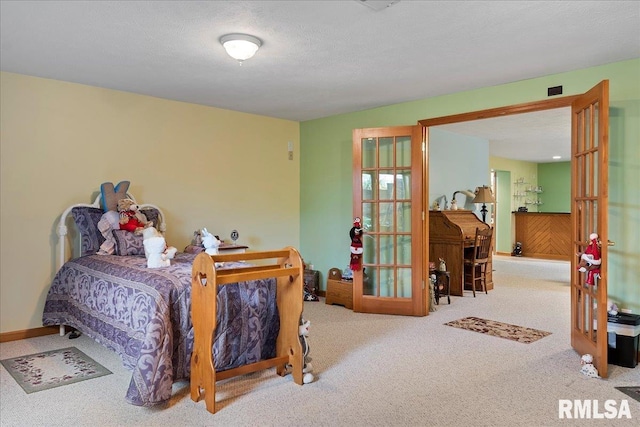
(557,157)
(240,46)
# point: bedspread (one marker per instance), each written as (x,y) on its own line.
(144,316)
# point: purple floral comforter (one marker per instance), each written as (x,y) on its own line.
(144,315)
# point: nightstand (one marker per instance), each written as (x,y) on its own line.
(223,249)
(230,248)
(339,291)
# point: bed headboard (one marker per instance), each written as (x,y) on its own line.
(82,237)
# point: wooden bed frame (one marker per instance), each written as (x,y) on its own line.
(205,279)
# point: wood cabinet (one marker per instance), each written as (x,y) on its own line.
(544,235)
(339,291)
(451,234)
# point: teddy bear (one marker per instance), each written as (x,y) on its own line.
(590,260)
(587,366)
(156,250)
(131,219)
(356,249)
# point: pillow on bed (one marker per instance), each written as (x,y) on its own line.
(152,214)
(86,219)
(128,243)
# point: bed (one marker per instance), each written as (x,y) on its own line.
(245,315)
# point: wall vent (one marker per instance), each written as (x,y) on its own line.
(556,90)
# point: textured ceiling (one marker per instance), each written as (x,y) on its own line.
(319,58)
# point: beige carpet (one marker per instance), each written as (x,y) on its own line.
(371,370)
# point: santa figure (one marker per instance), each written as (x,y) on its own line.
(590,260)
(356,245)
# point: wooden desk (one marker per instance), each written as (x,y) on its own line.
(451,233)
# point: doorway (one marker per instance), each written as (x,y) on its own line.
(534,147)
(589,211)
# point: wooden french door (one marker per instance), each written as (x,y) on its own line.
(589,191)
(388,197)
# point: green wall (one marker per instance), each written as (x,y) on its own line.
(504,241)
(326,182)
(555,180)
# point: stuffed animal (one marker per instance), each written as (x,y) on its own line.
(356,249)
(210,242)
(156,250)
(517,249)
(307,369)
(197,238)
(131,219)
(590,260)
(612,308)
(587,366)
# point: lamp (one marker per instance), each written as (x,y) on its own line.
(484,196)
(240,46)
(454,204)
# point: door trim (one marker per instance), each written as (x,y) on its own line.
(529,107)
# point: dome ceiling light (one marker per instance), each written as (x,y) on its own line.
(240,46)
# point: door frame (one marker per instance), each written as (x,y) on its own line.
(529,107)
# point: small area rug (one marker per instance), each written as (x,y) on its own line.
(499,329)
(54,368)
(633,392)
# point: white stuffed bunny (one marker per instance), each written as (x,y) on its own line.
(210,242)
(156,250)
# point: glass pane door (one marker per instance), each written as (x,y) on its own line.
(387,176)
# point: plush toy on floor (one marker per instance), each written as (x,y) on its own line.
(587,366)
(156,250)
(307,369)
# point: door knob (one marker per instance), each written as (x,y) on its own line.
(610,243)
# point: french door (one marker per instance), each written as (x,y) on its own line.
(589,210)
(388,182)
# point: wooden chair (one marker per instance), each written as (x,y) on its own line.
(477,265)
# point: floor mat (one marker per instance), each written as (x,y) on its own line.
(499,329)
(633,392)
(54,368)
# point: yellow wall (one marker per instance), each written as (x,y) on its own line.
(205,167)
(519,170)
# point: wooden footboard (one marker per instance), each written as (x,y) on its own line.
(289,271)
